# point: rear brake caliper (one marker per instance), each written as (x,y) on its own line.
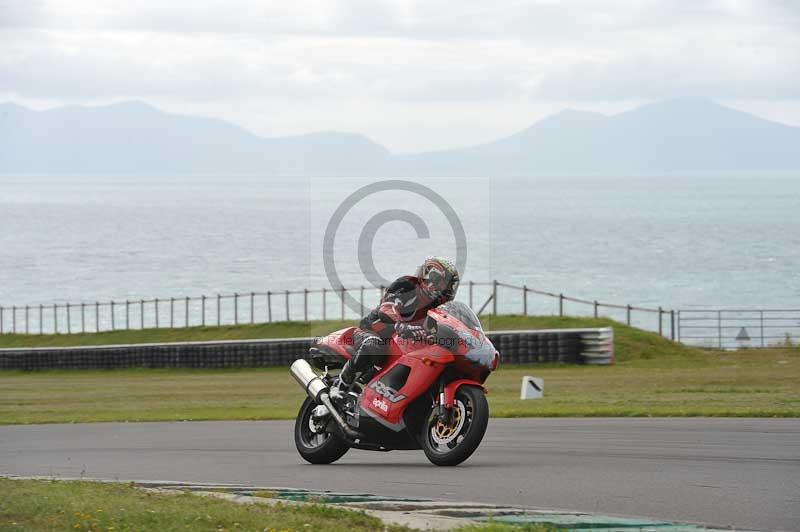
(318,419)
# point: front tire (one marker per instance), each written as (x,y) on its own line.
(449,445)
(316,447)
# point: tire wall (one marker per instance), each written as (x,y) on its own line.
(568,346)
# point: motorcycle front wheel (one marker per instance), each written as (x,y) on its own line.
(314,444)
(450,444)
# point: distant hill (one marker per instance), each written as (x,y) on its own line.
(133,137)
(667,136)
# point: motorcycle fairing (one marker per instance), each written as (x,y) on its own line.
(386,404)
(397,437)
(468,342)
(338,343)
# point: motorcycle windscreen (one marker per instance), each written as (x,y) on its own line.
(473,344)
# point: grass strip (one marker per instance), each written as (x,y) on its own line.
(295,329)
(653,377)
(44,505)
(60,505)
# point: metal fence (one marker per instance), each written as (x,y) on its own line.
(291,305)
(726,329)
(706,328)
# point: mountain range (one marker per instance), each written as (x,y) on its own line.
(136,138)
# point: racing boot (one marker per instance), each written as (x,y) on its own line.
(342,383)
(369,349)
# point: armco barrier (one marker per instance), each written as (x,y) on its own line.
(566,346)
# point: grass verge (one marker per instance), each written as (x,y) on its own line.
(41,505)
(653,377)
(60,505)
(287,329)
(295,329)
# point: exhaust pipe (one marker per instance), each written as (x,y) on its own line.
(317,390)
(307,379)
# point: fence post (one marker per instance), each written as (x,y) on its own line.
(219,310)
(141,313)
(55,318)
(269,306)
(252,308)
(96,316)
(494,297)
(113,317)
(41,319)
(1,320)
(287,307)
(83,317)
(69,319)
(762,328)
(324,304)
(305,304)
(679,326)
(628,314)
(14,319)
(719,327)
(27,328)
(155,304)
(127,315)
(524,300)
(561,305)
(660,322)
(186,311)
(172,313)
(595,309)
(672,324)
(361,300)
(203,311)
(235,308)
(342,302)
(471,284)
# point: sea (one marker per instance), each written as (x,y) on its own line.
(676,241)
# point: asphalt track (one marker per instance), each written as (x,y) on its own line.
(742,473)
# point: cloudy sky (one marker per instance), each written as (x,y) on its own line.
(410,74)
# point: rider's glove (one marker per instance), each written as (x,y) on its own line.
(413,332)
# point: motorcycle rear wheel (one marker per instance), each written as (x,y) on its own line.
(316,447)
(451,445)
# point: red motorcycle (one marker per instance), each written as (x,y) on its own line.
(428,395)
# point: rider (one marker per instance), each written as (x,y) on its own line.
(403,307)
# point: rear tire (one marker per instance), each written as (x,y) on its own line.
(452,445)
(316,447)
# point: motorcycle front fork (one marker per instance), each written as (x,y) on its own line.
(445,415)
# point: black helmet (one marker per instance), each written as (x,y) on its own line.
(438,278)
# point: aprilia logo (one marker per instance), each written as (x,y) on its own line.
(382,405)
(389,393)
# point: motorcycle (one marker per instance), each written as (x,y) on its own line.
(428,395)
